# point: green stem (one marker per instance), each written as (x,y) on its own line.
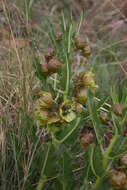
(68,77)
(97,183)
(106,155)
(111,145)
(109,149)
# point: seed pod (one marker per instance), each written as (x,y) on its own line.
(118,109)
(86,52)
(58,36)
(81,96)
(44,69)
(87,139)
(42,116)
(118,179)
(80,42)
(104,117)
(123,160)
(45,100)
(49,55)
(54,65)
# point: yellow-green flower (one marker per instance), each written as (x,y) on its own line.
(67,110)
(88,80)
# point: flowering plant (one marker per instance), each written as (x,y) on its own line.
(78,124)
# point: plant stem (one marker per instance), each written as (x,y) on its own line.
(68,77)
(111,145)
(97,183)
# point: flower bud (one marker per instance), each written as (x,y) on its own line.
(45,70)
(124,134)
(86,52)
(123,160)
(54,65)
(108,136)
(118,109)
(118,179)
(87,139)
(81,96)
(58,36)
(80,42)
(104,117)
(45,100)
(49,55)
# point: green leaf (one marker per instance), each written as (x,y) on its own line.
(70,132)
(66,176)
(97,161)
(120,147)
(95,120)
(85,185)
(101,184)
(87,173)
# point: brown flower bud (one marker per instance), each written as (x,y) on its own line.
(108,136)
(118,179)
(58,36)
(44,69)
(54,65)
(124,133)
(86,52)
(87,139)
(118,109)
(45,100)
(80,42)
(49,55)
(104,117)
(82,96)
(123,160)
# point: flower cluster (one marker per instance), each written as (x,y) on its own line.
(47,113)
